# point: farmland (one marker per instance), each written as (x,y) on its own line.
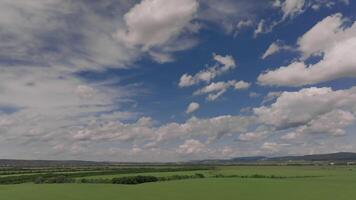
(228,182)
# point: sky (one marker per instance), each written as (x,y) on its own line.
(169,80)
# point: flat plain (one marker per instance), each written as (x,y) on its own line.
(237,182)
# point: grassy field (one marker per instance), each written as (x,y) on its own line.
(334,183)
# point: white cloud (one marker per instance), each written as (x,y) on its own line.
(214,96)
(289,136)
(216,89)
(290,8)
(325,35)
(241,85)
(310,110)
(153,23)
(317,4)
(243,24)
(144,133)
(161,57)
(264,27)
(49,104)
(223,64)
(56,113)
(329,39)
(250,136)
(192,107)
(230,15)
(191,146)
(43,33)
(272,146)
(259,28)
(274,48)
(332,123)
(271,96)
(227,61)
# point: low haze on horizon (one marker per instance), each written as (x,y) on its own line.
(176,80)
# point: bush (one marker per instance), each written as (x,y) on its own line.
(134,180)
(96,180)
(58,179)
(200,175)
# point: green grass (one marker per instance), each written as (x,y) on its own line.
(336,183)
(285,170)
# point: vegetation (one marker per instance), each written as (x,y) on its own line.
(231,182)
(25,178)
(133,180)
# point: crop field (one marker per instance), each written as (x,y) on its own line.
(222,182)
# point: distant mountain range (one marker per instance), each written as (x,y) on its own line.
(332,157)
(341,157)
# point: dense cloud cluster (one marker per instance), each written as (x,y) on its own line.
(49,109)
(329,39)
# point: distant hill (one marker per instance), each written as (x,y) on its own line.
(341,157)
(332,157)
(249,159)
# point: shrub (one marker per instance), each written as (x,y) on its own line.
(134,180)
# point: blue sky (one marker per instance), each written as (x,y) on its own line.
(166,80)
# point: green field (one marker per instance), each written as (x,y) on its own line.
(329,183)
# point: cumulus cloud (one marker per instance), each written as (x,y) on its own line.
(329,39)
(333,123)
(153,23)
(241,85)
(273,146)
(264,26)
(290,8)
(47,106)
(143,132)
(216,89)
(191,146)
(311,110)
(223,64)
(43,47)
(192,107)
(250,136)
(334,32)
